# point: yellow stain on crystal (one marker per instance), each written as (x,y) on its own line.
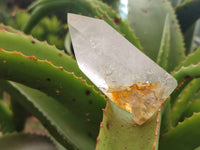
(141,99)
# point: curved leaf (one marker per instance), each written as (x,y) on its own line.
(192,107)
(67,128)
(163,53)
(147,18)
(190,59)
(118,131)
(183,137)
(92,8)
(6,119)
(25,142)
(32,47)
(183,99)
(56,82)
(188,12)
(192,71)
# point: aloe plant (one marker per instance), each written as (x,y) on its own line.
(46,82)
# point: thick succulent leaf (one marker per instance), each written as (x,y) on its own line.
(182,100)
(175,2)
(188,38)
(192,106)
(198,148)
(192,71)
(7,28)
(188,12)
(56,82)
(6,118)
(147,19)
(25,142)
(20,114)
(164,49)
(166,116)
(190,59)
(185,79)
(185,136)
(68,45)
(162,60)
(118,131)
(32,47)
(92,8)
(63,125)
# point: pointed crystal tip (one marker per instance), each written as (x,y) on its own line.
(127,76)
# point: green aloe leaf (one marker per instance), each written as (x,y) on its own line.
(118,131)
(182,100)
(7,28)
(20,114)
(192,58)
(189,37)
(92,8)
(67,43)
(164,49)
(175,2)
(25,142)
(188,12)
(6,118)
(185,79)
(191,108)
(45,77)
(147,19)
(30,46)
(63,125)
(192,71)
(185,136)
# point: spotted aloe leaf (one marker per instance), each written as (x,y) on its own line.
(147,19)
(92,8)
(118,131)
(187,13)
(190,60)
(70,132)
(41,50)
(46,77)
(26,141)
(182,100)
(182,133)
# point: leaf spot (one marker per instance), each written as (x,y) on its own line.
(48,79)
(87,92)
(107,125)
(116,21)
(89,134)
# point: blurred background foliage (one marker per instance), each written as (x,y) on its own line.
(53,28)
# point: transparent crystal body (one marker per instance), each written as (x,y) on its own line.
(126,75)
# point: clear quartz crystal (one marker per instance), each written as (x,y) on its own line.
(128,77)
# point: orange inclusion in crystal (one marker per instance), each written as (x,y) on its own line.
(141,88)
(139,93)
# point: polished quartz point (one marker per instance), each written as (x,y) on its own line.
(128,77)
